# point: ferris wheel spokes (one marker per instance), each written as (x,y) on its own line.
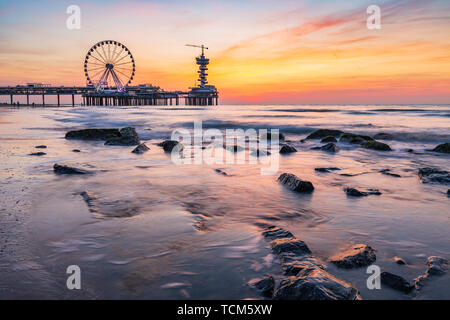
(106,66)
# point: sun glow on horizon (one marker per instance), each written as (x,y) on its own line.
(260,51)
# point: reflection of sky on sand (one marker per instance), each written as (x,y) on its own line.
(157,230)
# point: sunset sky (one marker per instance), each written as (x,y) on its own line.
(283,51)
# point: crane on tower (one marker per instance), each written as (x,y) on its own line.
(197,46)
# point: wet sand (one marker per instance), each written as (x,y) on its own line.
(158,230)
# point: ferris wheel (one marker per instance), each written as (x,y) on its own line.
(109,65)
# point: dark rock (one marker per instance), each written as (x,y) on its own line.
(359,255)
(328,139)
(375,145)
(436,265)
(354,138)
(265,286)
(292,268)
(122,141)
(396,282)
(91,200)
(354,192)
(129,132)
(326,170)
(432,175)
(287,149)
(76,150)
(93,134)
(315,284)
(169,145)
(140,149)
(295,184)
(274,232)
(128,137)
(290,245)
(389,173)
(62,169)
(38,154)
(268,136)
(448,192)
(375,192)
(442,148)
(322,133)
(41,147)
(399,261)
(330,147)
(221,172)
(384,136)
(410,150)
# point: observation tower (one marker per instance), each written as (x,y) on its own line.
(203,94)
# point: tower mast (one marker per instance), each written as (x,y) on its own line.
(203,62)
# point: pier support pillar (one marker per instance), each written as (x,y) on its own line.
(58,100)
(28,100)
(73,100)
(43,99)
(11,99)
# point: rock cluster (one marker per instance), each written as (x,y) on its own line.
(306,278)
(113,137)
(329,136)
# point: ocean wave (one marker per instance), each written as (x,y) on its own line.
(218,124)
(304,110)
(406,110)
(428,137)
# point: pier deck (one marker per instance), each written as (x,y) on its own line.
(132,96)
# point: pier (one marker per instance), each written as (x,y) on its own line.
(133,96)
(109,68)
